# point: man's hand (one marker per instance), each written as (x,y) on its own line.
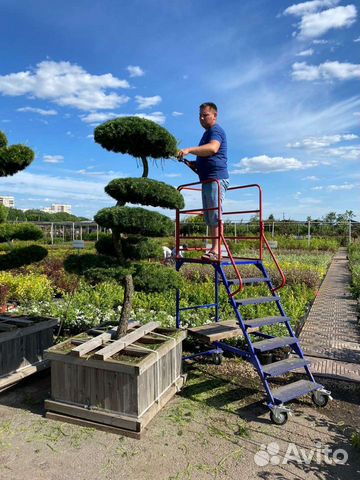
(182,153)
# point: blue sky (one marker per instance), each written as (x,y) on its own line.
(285,77)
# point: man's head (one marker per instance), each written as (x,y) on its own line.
(208,115)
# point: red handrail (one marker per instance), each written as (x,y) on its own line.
(221,238)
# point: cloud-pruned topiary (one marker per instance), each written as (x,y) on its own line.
(137,137)
(135,221)
(131,226)
(144,192)
(13,158)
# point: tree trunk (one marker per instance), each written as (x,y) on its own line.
(145,167)
(126,308)
(117,243)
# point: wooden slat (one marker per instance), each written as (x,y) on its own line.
(93,343)
(126,340)
(5,327)
(218,331)
(89,424)
(19,321)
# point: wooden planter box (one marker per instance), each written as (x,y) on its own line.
(22,344)
(115,385)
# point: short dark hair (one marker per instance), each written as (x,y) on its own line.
(210,105)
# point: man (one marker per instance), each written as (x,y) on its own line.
(210,164)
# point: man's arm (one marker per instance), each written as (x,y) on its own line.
(203,151)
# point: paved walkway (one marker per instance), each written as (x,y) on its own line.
(330,337)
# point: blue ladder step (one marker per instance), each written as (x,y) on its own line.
(278,368)
(256,301)
(246,281)
(273,343)
(261,322)
(294,390)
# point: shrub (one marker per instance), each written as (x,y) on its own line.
(105,246)
(354,265)
(152,277)
(80,263)
(19,231)
(139,248)
(27,288)
(21,256)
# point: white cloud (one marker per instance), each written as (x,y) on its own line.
(157,117)
(345,186)
(325,71)
(97,117)
(305,53)
(315,25)
(177,114)
(54,187)
(320,42)
(345,153)
(311,178)
(321,142)
(300,9)
(147,102)
(40,111)
(357,39)
(172,175)
(135,71)
(335,188)
(65,84)
(266,164)
(53,158)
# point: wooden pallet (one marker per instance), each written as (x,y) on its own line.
(217,331)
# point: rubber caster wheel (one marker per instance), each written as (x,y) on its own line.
(217,358)
(279,418)
(319,399)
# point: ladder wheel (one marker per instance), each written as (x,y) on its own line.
(217,358)
(279,418)
(320,399)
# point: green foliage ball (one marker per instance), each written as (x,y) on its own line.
(152,277)
(145,191)
(137,137)
(79,264)
(14,158)
(105,246)
(136,221)
(21,231)
(18,257)
(136,248)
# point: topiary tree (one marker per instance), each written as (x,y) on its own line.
(137,137)
(12,160)
(131,226)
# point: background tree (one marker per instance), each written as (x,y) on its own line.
(131,227)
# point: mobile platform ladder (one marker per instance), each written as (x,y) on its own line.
(256,341)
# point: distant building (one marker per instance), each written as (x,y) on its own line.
(58,208)
(7,202)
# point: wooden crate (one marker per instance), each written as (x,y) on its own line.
(22,344)
(117,385)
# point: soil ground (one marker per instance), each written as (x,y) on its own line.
(217,428)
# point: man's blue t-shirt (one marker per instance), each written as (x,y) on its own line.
(215,166)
